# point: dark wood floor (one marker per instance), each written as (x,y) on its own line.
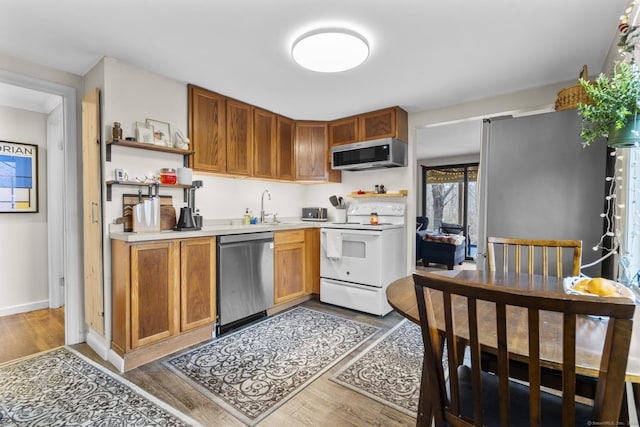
(29,333)
(322,403)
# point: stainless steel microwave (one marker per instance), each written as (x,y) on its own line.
(374,154)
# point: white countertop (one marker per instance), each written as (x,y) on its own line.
(210,228)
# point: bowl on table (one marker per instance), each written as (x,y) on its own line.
(580,285)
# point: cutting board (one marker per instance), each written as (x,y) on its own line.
(167,211)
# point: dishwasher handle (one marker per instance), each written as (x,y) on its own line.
(245,237)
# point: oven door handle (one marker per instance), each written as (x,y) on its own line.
(357,233)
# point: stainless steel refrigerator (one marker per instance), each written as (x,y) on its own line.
(538,181)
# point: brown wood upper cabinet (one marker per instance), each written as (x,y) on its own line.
(207,129)
(387,123)
(232,137)
(311,151)
(313,157)
(343,131)
(221,130)
(239,138)
(285,151)
(273,145)
(264,144)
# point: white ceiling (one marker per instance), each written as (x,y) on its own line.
(425,54)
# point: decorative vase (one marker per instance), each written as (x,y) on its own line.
(627,137)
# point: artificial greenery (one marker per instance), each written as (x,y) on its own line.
(613,100)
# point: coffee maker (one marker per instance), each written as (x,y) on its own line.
(190,218)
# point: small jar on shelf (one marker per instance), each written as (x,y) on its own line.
(168,176)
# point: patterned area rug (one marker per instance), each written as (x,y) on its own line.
(389,370)
(254,370)
(62,387)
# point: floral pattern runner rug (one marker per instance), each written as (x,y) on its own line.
(389,370)
(62,387)
(254,370)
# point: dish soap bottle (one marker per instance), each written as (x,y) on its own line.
(247,217)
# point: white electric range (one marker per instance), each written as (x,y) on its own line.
(358,260)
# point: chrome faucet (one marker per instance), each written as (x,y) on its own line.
(262,214)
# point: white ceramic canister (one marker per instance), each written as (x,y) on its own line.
(185,176)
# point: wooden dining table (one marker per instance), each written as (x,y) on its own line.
(590,331)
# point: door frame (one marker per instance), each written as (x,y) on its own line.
(465,197)
(71,218)
(483,175)
(55,207)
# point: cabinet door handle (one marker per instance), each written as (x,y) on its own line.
(93,215)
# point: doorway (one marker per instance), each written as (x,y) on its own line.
(450,201)
(63,250)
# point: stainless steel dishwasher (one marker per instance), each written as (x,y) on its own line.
(245,278)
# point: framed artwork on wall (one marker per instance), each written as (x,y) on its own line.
(161,132)
(144,134)
(18,177)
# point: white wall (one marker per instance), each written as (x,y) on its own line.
(23,252)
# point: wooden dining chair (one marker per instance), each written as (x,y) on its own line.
(512,252)
(483,317)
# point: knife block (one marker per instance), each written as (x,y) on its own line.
(167,211)
(146,215)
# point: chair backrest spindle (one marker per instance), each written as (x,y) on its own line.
(502,246)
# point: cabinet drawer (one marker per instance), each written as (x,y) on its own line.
(282,237)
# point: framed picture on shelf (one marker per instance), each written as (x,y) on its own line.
(144,134)
(161,132)
(18,177)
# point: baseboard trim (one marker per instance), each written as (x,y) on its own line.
(116,360)
(24,308)
(97,343)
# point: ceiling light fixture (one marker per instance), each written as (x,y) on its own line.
(330,50)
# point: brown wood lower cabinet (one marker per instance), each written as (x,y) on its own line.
(163,296)
(312,260)
(296,264)
(289,268)
(197,283)
(154,288)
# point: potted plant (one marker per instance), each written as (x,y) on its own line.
(613,111)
